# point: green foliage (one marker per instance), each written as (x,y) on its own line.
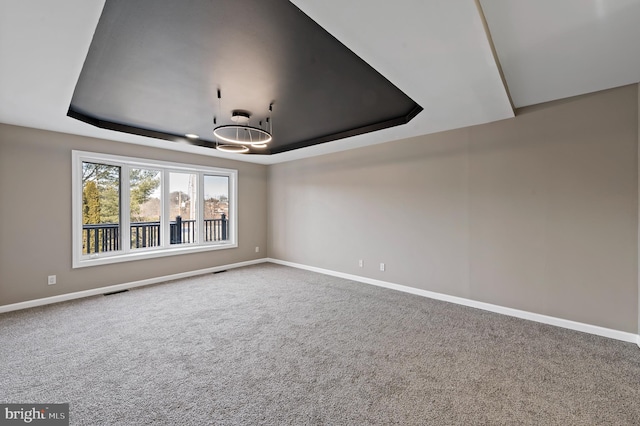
(101,192)
(110,204)
(90,203)
(100,173)
(142,184)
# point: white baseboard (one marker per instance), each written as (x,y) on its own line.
(545,319)
(124,286)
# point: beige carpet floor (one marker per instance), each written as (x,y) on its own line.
(272,345)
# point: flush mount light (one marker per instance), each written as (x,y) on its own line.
(241,133)
(192,136)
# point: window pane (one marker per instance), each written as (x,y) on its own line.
(216,208)
(100,208)
(183,207)
(165,209)
(145,207)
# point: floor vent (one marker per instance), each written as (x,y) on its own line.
(115,292)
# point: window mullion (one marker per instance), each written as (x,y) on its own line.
(233,207)
(200,218)
(165,220)
(125,209)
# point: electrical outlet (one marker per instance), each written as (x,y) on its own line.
(51,279)
(361,263)
(257,249)
(382,267)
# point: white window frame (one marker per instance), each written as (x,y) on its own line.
(125,253)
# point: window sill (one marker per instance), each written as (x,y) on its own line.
(111,257)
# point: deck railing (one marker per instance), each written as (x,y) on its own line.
(105,237)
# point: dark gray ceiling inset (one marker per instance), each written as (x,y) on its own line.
(154,68)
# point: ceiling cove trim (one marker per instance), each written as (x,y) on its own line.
(352,132)
(140,131)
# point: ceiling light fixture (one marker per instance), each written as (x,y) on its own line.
(236,149)
(240,135)
(192,136)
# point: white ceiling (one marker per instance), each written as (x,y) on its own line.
(436,51)
(553,49)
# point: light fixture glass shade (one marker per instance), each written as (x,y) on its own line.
(236,149)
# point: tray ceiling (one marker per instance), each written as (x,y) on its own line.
(154,68)
(437,53)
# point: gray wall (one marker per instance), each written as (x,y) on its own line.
(538,212)
(35,216)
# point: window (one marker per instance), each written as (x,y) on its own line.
(130,208)
(145,207)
